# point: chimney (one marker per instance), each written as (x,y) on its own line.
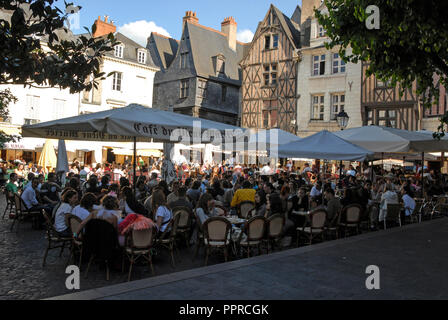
(228,27)
(190,16)
(104,27)
(308,7)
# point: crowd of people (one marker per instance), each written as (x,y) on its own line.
(96,192)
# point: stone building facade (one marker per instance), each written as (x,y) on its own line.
(326,85)
(199,74)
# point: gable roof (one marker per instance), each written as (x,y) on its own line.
(162,49)
(291,29)
(207,43)
(297,15)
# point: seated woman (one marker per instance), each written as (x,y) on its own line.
(108,211)
(273,205)
(69,201)
(163,214)
(128,203)
(260,203)
(85,207)
(389,197)
(206,208)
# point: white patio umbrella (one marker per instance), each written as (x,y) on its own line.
(131,124)
(390,140)
(324,145)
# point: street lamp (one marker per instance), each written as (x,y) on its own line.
(342,119)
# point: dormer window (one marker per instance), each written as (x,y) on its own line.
(141,56)
(219,63)
(119,51)
(184,60)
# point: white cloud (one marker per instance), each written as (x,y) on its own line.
(139,31)
(245,35)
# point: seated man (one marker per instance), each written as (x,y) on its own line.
(12,185)
(333,206)
(30,199)
(50,190)
(247,193)
(181,200)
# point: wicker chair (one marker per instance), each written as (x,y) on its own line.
(138,245)
(244,208)
(317,226)
(10,203)
(393,214)
(274,230)
(22,212)
(74,222)
(55,241)
(185,222)
(255,230)
(416,215)
(167,239)
(350,218)
(333,225)
(216,235)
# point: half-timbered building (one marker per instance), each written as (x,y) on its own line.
(383,105)
(269,73)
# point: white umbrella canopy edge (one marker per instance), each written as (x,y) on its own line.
(134,122)
(391,140)
(324,145)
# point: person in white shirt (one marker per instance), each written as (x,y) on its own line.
(85,207)
(69,201)
(83,174)
(351,171)
(408,201)
(389,197)
(108,211)
(163,214)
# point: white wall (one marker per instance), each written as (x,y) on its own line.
(136,86)
(47,109)
(327,84)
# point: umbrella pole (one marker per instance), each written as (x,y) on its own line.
(134,164)
(423,168)
(371,171)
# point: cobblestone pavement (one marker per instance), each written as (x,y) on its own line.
(22,275)
(411,260)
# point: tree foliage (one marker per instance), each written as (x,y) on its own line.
(410,46)
(37,50)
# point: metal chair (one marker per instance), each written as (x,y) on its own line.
(55,241)
(350,218)
(139,244)
(10,203)
(74,222)
(216,235)
(274,229)
(244,208)
(22,212)
(255,231)
(392,214)
(185,221)
(316,228)
(167,239)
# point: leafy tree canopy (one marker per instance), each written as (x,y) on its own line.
(411,44)
(36,49)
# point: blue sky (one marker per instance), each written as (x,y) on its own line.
(137,18)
